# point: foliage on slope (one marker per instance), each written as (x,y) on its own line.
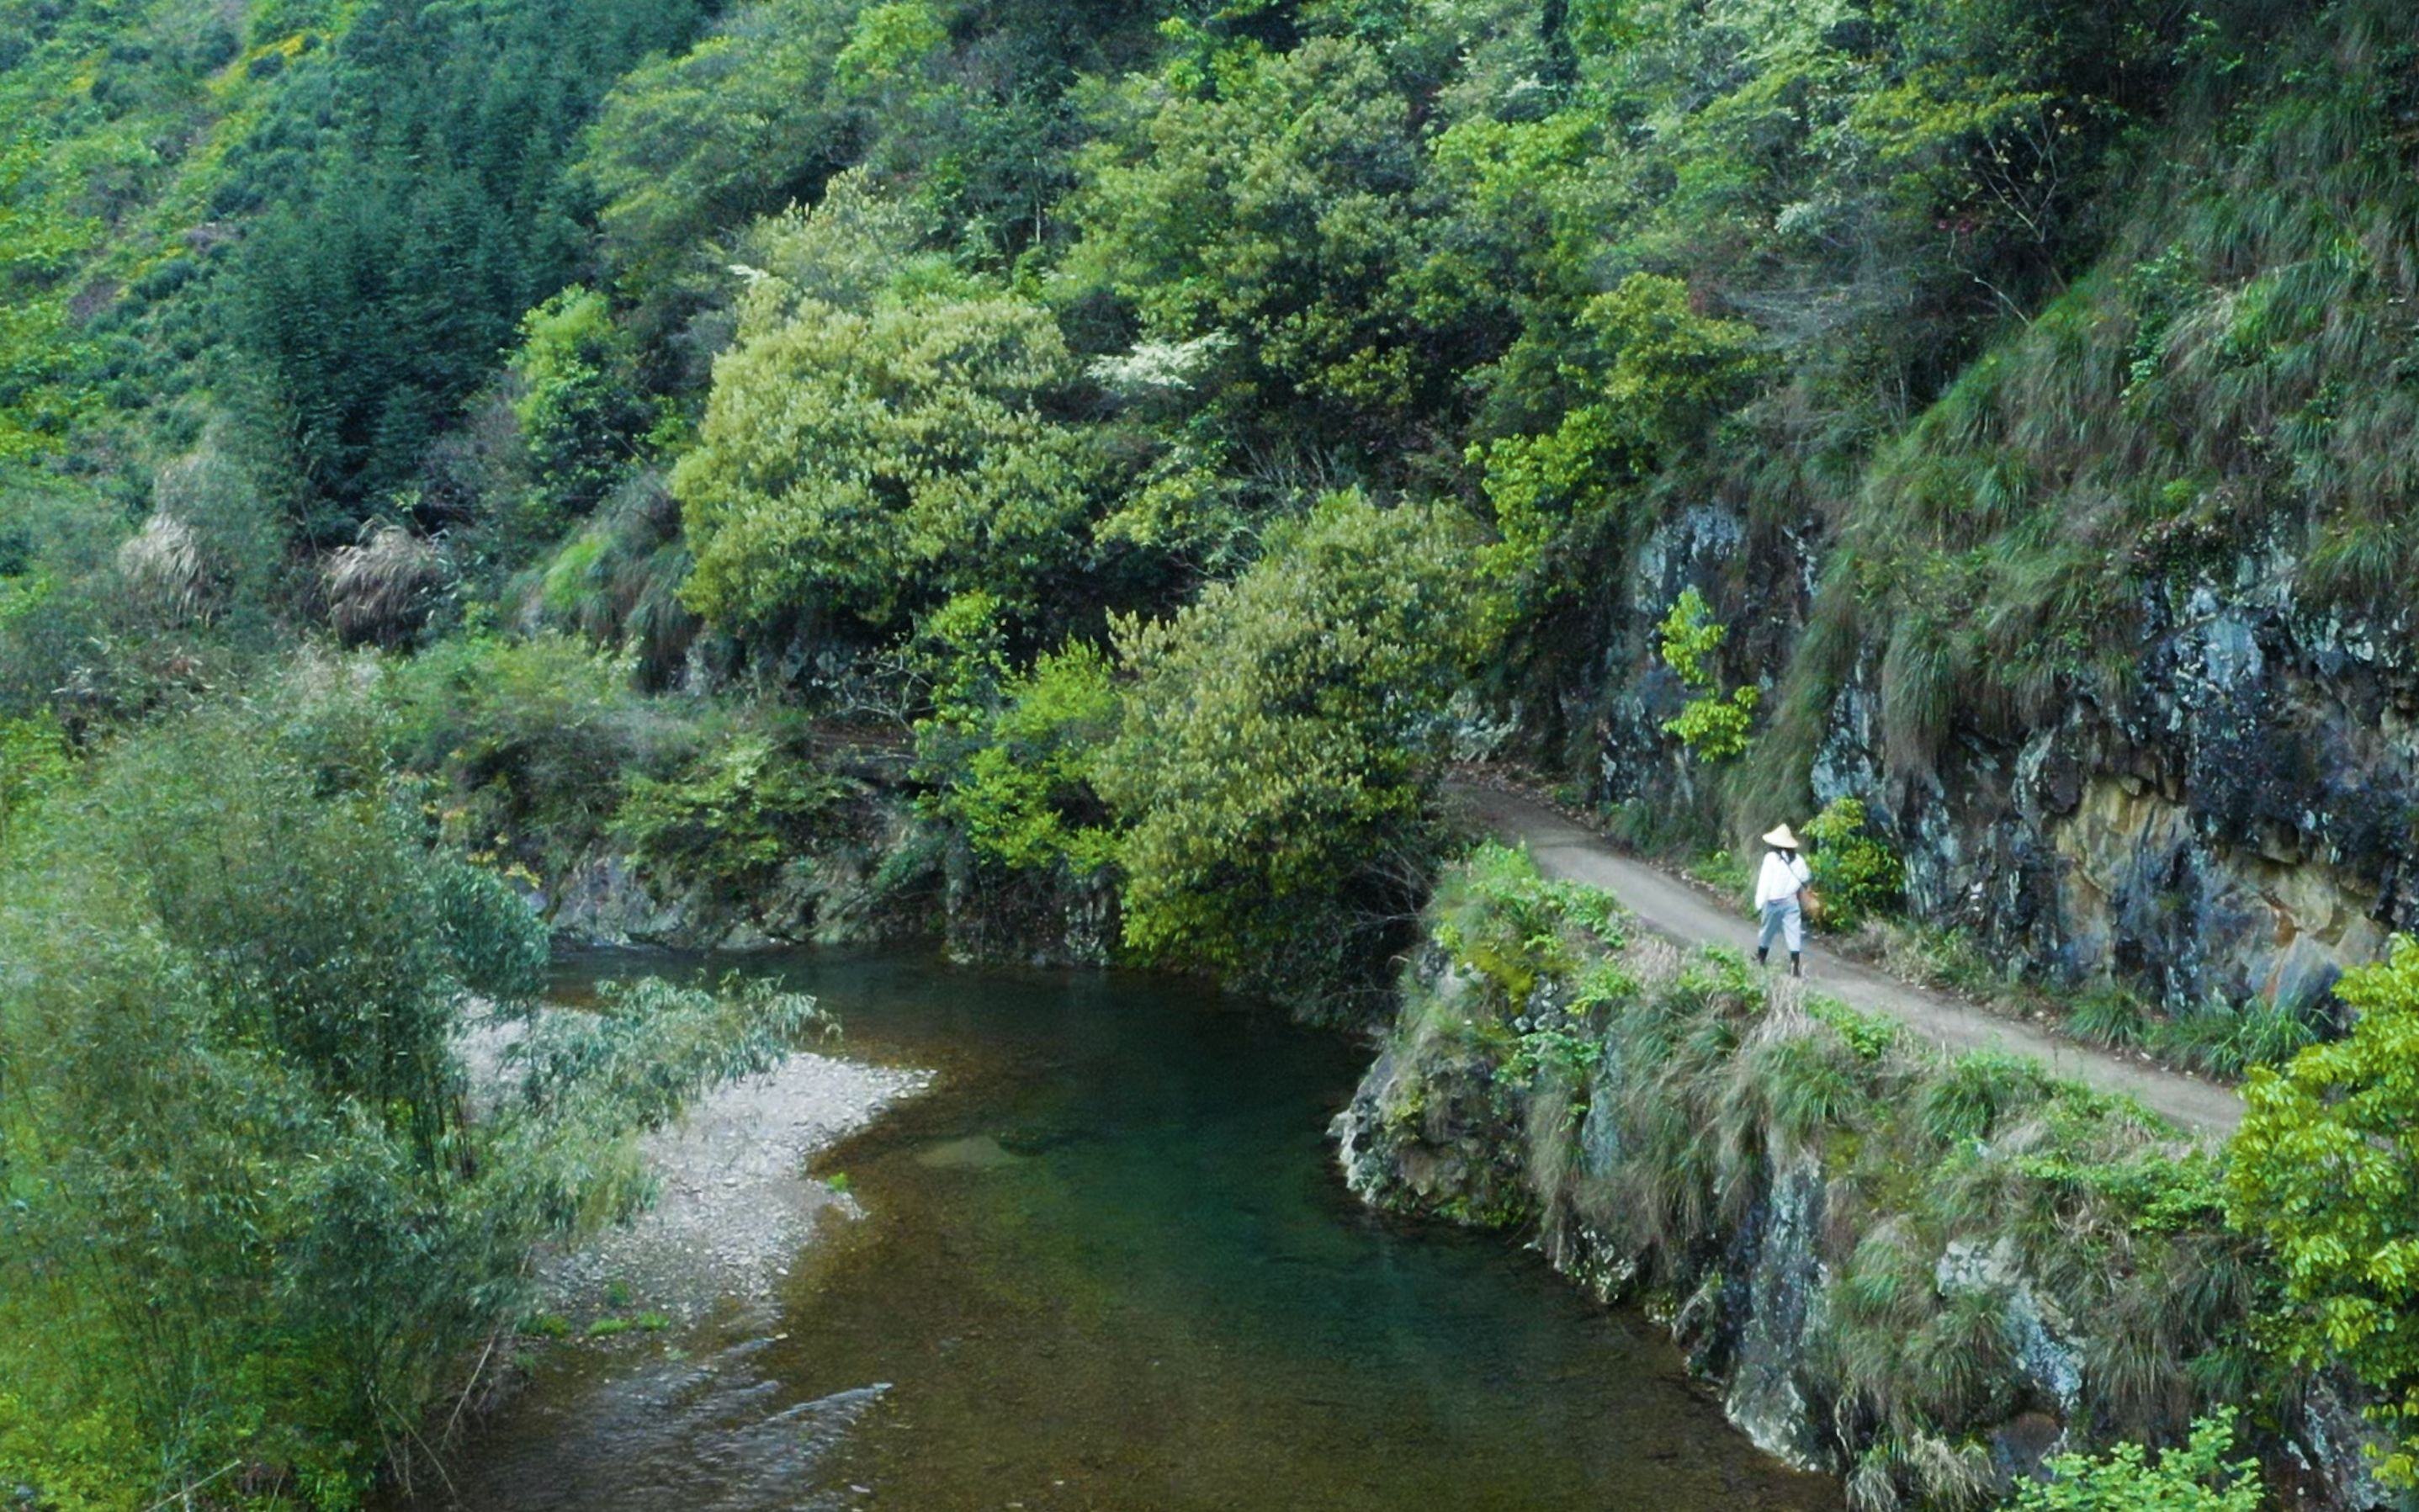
(1890,1253)
(2223,384)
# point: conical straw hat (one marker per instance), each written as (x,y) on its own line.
(1781,838)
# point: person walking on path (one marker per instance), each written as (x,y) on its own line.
(1777,890)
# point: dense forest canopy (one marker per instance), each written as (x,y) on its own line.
(440,440)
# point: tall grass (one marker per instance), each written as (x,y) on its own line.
(1971,1208)
(2244,325)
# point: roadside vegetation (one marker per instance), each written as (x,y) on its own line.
(1925,1249)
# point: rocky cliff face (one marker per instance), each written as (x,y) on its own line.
(2238,824)
(2238,827)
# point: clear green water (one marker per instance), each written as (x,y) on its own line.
(1109,1263)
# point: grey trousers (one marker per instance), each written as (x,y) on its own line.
(1783,917)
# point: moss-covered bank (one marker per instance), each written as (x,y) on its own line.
(1923,1275)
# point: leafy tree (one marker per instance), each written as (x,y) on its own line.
(857,466)
(1653,374)
(2325,1171)
(1712,726)
(1281,740)
(2195,1476)
(690,146)
(1276,202)
(886,41)
(582,413)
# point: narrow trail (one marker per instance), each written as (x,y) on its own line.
(1672,907)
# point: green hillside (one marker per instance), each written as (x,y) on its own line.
(1073,478)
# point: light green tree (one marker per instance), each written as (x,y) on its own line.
(2326,1171)
(886,41)
(1280,741)
(858,465)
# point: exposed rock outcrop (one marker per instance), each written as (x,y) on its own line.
(2239,823)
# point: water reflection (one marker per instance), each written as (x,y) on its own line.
(1109,1265)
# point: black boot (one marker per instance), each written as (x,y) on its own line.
(1796,965)
(1761,951)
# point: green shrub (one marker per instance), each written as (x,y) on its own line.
(1854,869)
(2195,1476)
(1713,726)
(731,817)
(246,1216)
(529,742)
(1012,753)
(2324,1171)
(34,761)
(1503,921)
(1976,1093)
(583,414)
(2227,1040)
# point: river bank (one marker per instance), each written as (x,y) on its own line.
(734,1206)
(732,1203)
(1106,1262)
(1921,1274)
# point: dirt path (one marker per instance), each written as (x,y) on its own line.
(1670,907)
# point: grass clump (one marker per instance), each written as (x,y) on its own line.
(2108,1015)
(2228,1040)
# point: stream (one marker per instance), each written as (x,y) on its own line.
(1107,1262)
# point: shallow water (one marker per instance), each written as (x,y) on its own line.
(1108,1263)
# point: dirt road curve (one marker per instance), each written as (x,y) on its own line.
(1672,907)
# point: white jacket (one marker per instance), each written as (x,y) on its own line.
(1780,878)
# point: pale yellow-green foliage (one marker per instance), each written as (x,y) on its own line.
(863,463)
(1281,732)
(1713,725)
